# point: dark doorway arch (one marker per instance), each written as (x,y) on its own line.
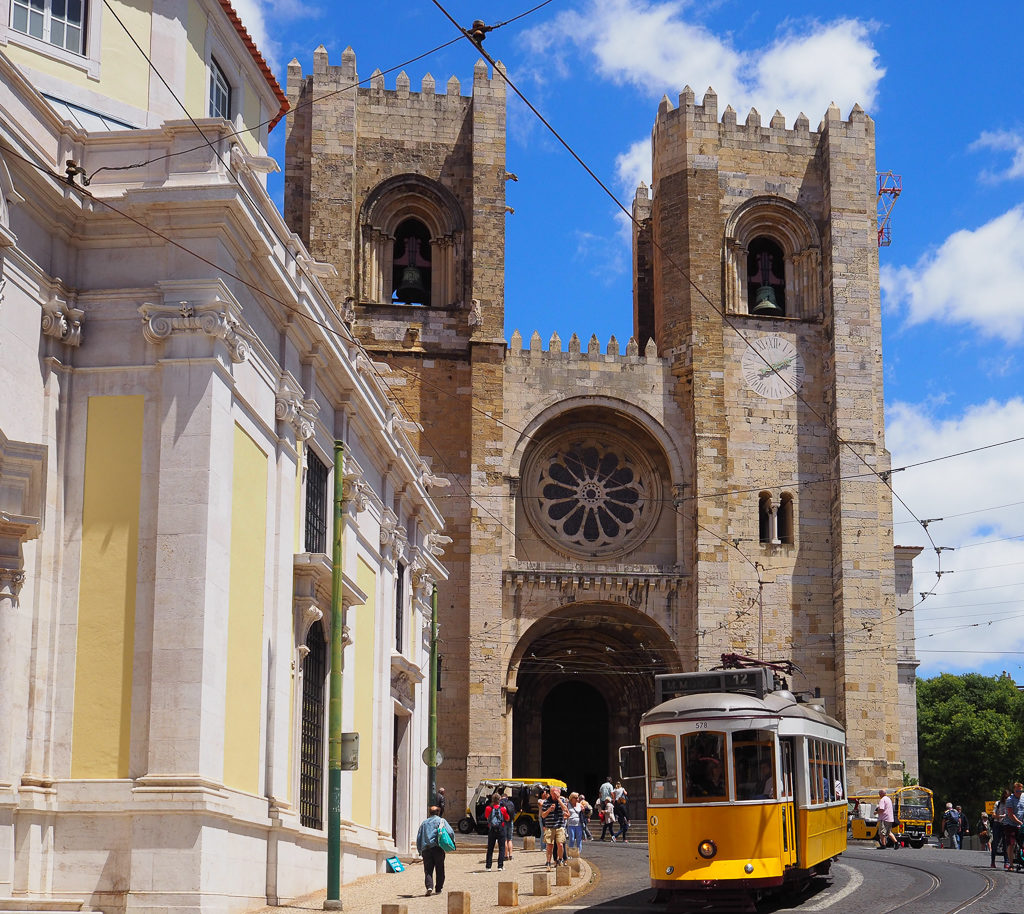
(574,744)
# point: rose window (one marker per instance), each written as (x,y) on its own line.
(592,495)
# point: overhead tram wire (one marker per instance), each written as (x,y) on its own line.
(320,98)
(882,476)
(476,43)
(282,241)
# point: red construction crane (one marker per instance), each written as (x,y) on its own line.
(890,186)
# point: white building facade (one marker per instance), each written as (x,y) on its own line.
(175,378)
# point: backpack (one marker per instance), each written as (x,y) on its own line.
(509,807)
(496,819)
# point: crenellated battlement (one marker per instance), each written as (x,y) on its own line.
(705,115)
(331,77)
(575,352)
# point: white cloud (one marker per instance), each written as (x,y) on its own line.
(634,166)
(654,48)
(975,277)
(1002,141)
(977,610)
(256,14)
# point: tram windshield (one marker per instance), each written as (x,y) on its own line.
(704,762)
(754,764)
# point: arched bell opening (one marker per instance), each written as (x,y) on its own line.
(766,278)
(584,675)
(411,265)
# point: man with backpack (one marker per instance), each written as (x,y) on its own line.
(951,827)
(510,807)
(496,817)
(433,839)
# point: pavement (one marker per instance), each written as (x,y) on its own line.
(464,871)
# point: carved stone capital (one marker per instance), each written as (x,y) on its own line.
(218,319)
(62,321)
(290,406)
(11,580)
(355,491)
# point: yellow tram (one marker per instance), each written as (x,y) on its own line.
(746,787)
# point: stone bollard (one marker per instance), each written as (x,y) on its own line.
(576,867)
(529,843)
(562,875)
(394,909)
(458,903)
(508,894)
(574,851)
(541,886)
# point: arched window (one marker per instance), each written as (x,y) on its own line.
(311,772)
(786,518)
(772,260)
(765,520)
(766,278)
(410,272)
(412,245)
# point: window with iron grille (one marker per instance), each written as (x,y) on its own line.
(58,22)
(220,92)
(316,504)
(400,608)
(311,772)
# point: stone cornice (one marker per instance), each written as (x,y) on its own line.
(577,586)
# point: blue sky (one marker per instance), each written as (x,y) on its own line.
(942,82)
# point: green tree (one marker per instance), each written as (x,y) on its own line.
(970,738)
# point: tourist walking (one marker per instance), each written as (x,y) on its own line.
(983,831)
(588,811)
(553,814)
(951,827)
(428,844)
(510,807)
(621,799)
(885,820)
(573,823)
(996,822)
(1011,824)
(496,817)
(607,810)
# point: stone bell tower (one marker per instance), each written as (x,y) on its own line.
(756,273)
(404,194)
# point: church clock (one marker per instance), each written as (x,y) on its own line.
(772,367)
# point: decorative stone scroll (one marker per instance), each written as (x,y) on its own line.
(291,407)
(218,319)
(435,542)
(63,322)
(356,491)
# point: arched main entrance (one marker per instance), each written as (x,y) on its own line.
(582,676)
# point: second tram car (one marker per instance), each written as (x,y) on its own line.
(746,787)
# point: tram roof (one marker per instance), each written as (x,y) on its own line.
(775,704)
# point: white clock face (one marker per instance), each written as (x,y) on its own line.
(772,367)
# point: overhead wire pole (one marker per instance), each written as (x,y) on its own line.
(333,900)
(432,715)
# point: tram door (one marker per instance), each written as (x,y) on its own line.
(789,829)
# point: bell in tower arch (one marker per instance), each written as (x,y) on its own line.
(411,264)
(766,282)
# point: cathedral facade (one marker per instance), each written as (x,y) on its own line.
(715,485)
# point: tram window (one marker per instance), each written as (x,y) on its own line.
(754,764)
(704,760)
(661,769)
(787,768)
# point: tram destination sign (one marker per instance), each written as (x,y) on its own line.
(757,681)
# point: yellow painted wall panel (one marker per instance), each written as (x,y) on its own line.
(101,727)
(244,690)
(364,647)
(196,74)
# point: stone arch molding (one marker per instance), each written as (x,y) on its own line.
(563,408)
(787,225)
(386,207)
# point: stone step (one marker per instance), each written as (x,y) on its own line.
(21,905)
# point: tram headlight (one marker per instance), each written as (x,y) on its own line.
(669,870)
(707,848)
(748,869)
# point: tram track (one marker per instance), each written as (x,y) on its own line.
(940,895)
